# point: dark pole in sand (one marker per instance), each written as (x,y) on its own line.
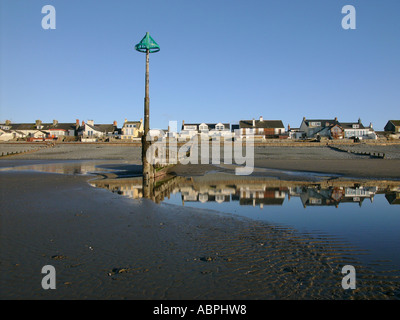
(147,45)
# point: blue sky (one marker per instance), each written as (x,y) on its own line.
(220,61)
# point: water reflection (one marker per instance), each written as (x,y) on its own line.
(254,193)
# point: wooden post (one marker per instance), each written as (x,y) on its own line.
(148,172)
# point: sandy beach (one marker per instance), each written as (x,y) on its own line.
(105,246)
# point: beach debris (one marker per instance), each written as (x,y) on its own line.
(206,272)
(207,259)
(59,257)
(115,271)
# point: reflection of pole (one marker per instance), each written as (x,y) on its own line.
(147,168)
(148,188)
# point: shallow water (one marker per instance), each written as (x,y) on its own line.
(367,217)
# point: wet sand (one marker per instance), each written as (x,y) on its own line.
(104,246)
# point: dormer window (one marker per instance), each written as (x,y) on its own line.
(203,127)
(356,126)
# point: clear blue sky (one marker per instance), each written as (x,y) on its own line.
(220,61)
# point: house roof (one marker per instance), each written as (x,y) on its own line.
(60,126)
(46,126)
(102,127)
(23,126)
(132,122)
(211,126)
(349,125)
(324,122)
(395,122)
(266,124)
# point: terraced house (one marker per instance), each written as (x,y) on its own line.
(261,128)
(132,129)
(38,130)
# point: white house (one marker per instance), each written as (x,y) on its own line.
(261,128)
(204,130)
(90,130)
(357,130)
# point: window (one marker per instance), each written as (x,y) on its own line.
(356,126)
(315,124)
(190,128)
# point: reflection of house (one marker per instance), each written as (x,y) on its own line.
(132,129)
(249,193)
(217,194)
(261,128)
(359,194)
(131,189)
(317,197)
(393,197)
(261,195)
(314,196)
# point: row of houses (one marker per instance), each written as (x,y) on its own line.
(85,131)
(259,129)
(269,129)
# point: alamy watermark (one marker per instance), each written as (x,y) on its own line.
(348,21)
(203,149)
(49,20)
(349,280)
(49,280)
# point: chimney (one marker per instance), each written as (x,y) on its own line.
(288,127)
(126,120)
(304,118)
(8,122)
(336,119)
(254,122)
(141,120)
(77,123)
(55,122)
(38,122)
(83,123)
(90,122)
(183,123)
(261,118)
(115,123)
(370,125)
